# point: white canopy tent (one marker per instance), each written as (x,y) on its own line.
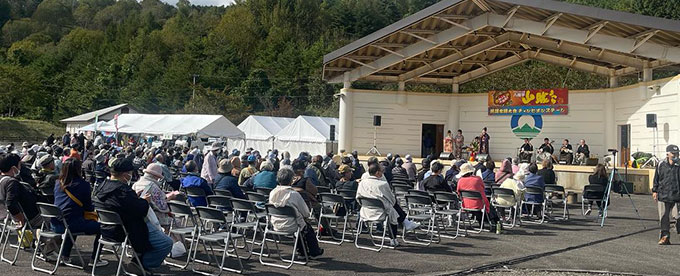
(259,132)
(306,133)
(174,124)
(91,127)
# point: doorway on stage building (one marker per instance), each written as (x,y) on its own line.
(624,145)
(432,140)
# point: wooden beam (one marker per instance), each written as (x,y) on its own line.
(550,21)
(420,37)
(593,30)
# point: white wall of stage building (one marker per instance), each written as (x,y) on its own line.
(594,115)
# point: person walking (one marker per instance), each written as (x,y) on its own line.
(666,189)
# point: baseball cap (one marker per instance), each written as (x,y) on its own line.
(672,148)
(252,158)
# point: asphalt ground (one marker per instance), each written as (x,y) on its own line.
(574,247)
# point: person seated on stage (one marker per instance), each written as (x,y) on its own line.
(470,182)
(598,178)
(582,153)
(546,147)
(547,172)
(376,187)
(566,152)
(436,183)
(525,151)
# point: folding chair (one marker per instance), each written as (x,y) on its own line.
(108,218)
(214,219)
(420,208)
(263,191)
(221,192)
(509,196)
(190,227)
(289,213)
(464,211)
(257,197)
(551,190)
(323,189)
(374,204)
(49,212)
(446,207)
(400,191)
(592,194)
(332,200)
(221,202)
(195,192)
(535,192)
(9,227)
(247,209)
(420,193)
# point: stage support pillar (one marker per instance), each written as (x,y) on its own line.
(346,116)
(455,87)
(613,81)
(402,86)
(647,74)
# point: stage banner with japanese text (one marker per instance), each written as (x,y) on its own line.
(529,102)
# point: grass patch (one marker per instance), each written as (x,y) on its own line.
(34,131)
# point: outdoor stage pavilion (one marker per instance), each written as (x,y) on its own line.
(455,41)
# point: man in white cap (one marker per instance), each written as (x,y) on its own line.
(209,169)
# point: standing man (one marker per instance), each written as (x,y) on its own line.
(484,142)
(666,189)
(209,170)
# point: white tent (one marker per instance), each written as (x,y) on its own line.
(259,132)
(174,124)
(91,127)
(306,133)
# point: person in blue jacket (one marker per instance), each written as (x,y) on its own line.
(227,181)
(533,180)
(194,180)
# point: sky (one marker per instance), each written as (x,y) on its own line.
(204,2)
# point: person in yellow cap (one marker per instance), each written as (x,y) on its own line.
(346,182)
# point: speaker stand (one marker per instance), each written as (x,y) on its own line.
(374,150)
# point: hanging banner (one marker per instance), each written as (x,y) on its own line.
(529,102)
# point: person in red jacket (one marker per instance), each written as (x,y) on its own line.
(470,182)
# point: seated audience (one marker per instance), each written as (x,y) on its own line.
(535,181)
(470,182)
(547,172)
(149,184)
(266,178)
(435,182)
(226,179)
(505,172)
(72,195)
(146,238)
(17,195)
(285,195)
(376,188)
(600,177)
(194,180)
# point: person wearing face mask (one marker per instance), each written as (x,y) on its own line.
(15,194)
(116,195)
(148,184)
(666,189)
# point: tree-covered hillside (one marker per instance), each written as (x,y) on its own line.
(64,57)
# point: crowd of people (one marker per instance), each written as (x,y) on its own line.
(137,180)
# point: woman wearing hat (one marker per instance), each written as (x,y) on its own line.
(149,184)
(470,182)
(226,179)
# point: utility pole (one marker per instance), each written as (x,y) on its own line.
(193,93)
